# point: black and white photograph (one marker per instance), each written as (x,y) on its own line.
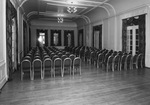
(75,52)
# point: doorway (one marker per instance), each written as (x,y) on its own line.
(97,36)
(133,39)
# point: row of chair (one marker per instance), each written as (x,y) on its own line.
(108,58)
(49,63)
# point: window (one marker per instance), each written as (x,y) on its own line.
(41,38)
(133,39)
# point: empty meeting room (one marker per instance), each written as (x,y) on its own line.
(75,52)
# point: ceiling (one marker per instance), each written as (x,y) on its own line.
(51,9)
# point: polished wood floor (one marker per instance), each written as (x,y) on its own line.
(93,87)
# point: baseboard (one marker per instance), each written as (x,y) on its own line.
(2,82)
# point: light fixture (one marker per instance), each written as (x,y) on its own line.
(71,9)
(60,20)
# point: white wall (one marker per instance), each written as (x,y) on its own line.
(3,66)
(20,34)
(110,15)
(39,24)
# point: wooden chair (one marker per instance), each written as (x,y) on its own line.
(76,65)
(116,63)
(47,66)
(135,61)
(66,65)
(100,60)
(57,66)
(37,67)
(140,61)
(109,63)
(26,67)
(128,62)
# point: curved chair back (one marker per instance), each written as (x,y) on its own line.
(47,66)
(54,57)
(37,66)
(100,59)
(109,63)
(116,63)
(135,61)
(77,64)
(63,57)
(59,54)
(128,62)
(140,61)
(122,62)
(67,65)
(26,67)
(57,65)
(72,56)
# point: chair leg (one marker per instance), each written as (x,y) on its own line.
(80,70)
(22,76)
(107,67)
(73,71)
(113,67)
(70,70)
(32,75)
(54,72)
(43,74)
(51,72)
(62,72)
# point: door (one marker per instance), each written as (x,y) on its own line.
(97,36)
(133,39)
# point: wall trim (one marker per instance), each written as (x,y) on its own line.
(2,82)
(2,62)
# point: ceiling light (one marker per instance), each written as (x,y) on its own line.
(71,9)
(60,20)
(72,1)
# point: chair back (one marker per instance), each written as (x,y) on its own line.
(54,57)
(77,62)
(58,63)
(47,64)
(140,60)
(67,62)
(63,57)
(72,56)
(101,57)
(37,65)
(25,65)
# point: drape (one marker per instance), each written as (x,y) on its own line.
(54,32)
(80,37)
(10,14)
(25,40)
(68,38)
(46,37)
(136,20)
(37,36)
(29,38)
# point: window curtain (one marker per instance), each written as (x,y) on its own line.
(53,32)
(25,40)
(130,22)
(80,37)
(29,38)
(37,36)
(10,14)
(68,34)
(46,37)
